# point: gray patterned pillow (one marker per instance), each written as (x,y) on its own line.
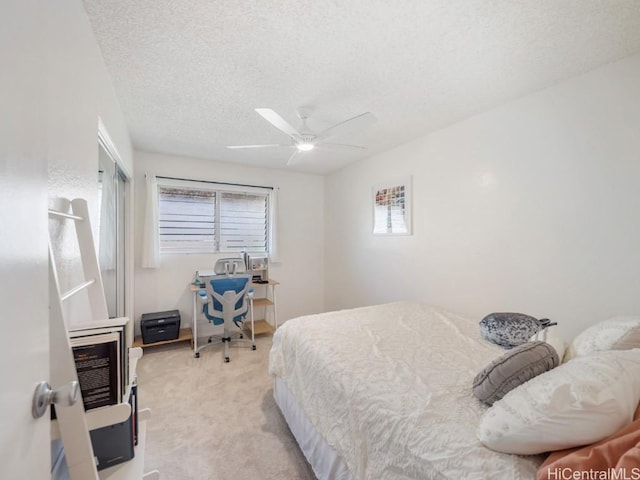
(514,368)
(511,329)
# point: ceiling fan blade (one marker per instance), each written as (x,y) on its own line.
(277,121)
(234,147)
(341,145)
(360,122)
(293,155)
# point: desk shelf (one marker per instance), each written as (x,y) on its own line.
(264,301)
(260,327)
(185,336)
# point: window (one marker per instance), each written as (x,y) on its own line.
(243,222)
(193,220)
(187,220)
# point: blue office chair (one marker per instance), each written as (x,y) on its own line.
(226,302)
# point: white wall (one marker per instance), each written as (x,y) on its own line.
(531,207)
(79,93)
(300,237)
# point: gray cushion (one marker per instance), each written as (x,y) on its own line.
(509,329)
(514,368)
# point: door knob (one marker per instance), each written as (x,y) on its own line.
(44,396)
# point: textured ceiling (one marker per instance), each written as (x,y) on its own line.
(189,74)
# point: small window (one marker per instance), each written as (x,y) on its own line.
(195,220)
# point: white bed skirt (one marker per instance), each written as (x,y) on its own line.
(326,463)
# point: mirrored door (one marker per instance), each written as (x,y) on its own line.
(111,234)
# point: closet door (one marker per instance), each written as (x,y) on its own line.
(112,188)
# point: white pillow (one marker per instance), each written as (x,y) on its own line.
(576,403)
(602,336)
(551,336)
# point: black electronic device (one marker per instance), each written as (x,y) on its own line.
(113,444)
(160,326)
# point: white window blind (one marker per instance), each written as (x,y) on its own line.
(187,220)
(195,220)
(243,222)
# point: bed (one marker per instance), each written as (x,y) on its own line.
(384,392)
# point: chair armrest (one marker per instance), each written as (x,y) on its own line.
(202,296)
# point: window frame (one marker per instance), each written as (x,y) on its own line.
(218,188)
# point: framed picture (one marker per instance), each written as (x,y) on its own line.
(392,208)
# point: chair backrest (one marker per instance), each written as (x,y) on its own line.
(229,266)
(223,284)
(228,297)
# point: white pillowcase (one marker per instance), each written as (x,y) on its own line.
(601,336)
(552,337)
(576,403)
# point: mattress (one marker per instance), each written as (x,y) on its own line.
(388,389)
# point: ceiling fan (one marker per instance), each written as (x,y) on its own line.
(303,139)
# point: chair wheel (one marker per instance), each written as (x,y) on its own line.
(209,341)
(241,336)
(226,359)
(197,355)
(253,347)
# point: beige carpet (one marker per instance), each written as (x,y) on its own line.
(215,421)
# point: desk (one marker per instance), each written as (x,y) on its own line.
(264,297)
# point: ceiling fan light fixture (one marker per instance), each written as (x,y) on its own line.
(305,147)
(305,139)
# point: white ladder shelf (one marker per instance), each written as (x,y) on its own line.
(73,423)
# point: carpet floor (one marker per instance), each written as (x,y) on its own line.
(215,421)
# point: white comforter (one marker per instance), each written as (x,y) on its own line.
(389,388)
